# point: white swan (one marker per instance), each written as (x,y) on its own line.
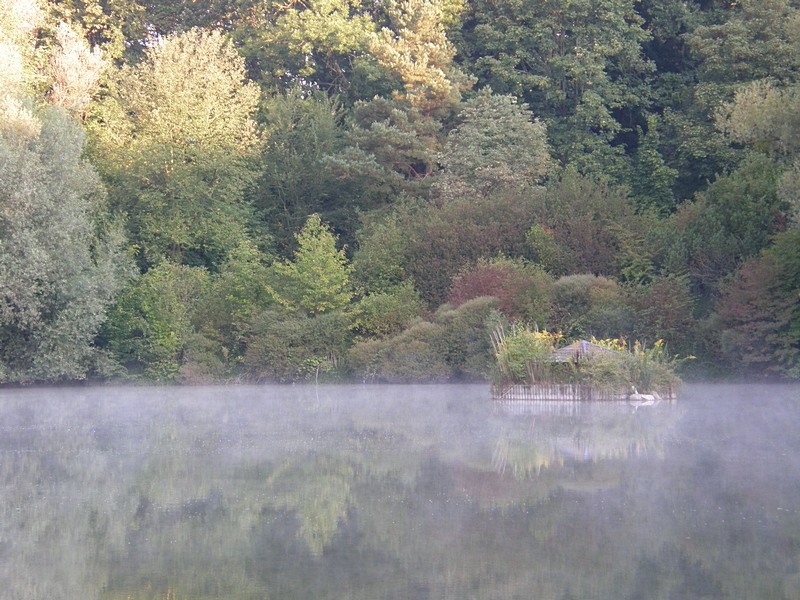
(644,399)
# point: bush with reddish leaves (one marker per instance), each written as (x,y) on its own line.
(523,291)
(759,312)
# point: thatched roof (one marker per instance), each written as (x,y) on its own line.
(578,350)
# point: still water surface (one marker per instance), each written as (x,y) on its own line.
(397,492)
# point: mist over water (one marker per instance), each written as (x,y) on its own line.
(397,492)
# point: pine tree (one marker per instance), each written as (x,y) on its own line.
(318,280)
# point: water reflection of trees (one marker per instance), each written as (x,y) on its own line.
(324,495)
(545,434)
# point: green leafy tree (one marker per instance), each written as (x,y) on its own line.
(61,261)
(392,151)
(318,44)
(706,51)
(175,142)
(750,41)
(730,222)
(764,116)
(652,180)
(496,143)
(318,280)
(578,64)
(300,133)
(119,28)
(150,326)
(589,221)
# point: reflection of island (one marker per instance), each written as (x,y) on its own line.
(570,407)
(542,433)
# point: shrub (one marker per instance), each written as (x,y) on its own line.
(523,291)
(387,313)
(456,345)
(467,336)
(151,324)
(587,305)
(585,218)
(758,321)
(430,243)
(286,347)
(206,361)
(415,355)
(546,252)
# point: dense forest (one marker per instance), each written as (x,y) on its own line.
(260,190)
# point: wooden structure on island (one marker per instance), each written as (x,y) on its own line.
(550,391)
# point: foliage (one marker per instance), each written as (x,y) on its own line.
(378,262)
(430,244)
(631,368)
(415,355)
(588,305)
(318,280)
(652,181)
(415,48)
(763,115)
(730,222)
(317,43)
(386,313)
(455,345)
(392,149)
(300,133)
(61,258)
(233,297)
(579,64)
(664,310)
(523,291)
(74,70)
(522,358)
(644,153)
(521,351)
(174,142)
(467,335)
(755,40)
(284,347)
(150,327)
(588,220)
(653,369)
(759,312)
(496,144)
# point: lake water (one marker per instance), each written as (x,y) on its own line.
(397,492)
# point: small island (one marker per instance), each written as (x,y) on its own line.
(532,365)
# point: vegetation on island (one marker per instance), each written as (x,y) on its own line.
(284,191)
(529,358)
